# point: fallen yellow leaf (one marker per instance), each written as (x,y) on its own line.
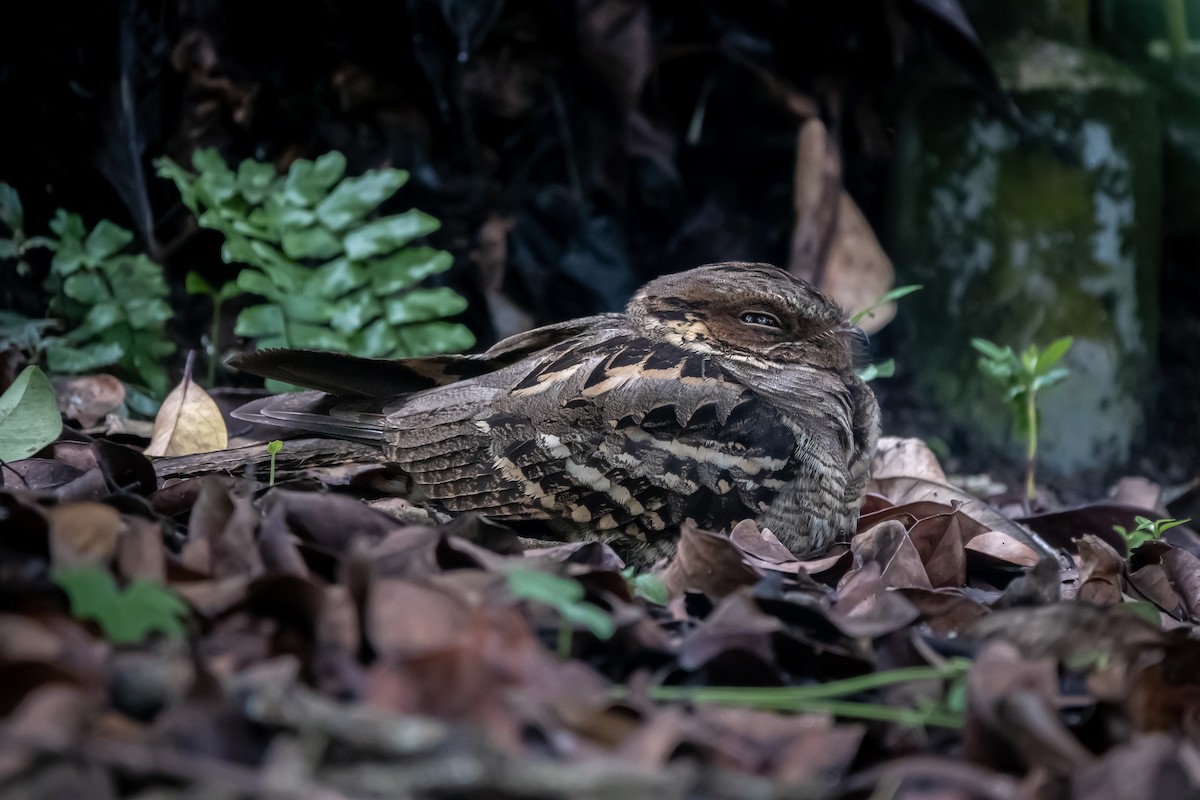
(189,422)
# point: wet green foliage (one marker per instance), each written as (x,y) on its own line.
(333,274)
(110,303)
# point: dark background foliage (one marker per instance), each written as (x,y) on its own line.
(571,149)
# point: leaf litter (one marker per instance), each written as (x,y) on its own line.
(215,636)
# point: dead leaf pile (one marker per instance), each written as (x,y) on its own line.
(326,648)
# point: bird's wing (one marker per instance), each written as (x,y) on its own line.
(346,375)
(606,435)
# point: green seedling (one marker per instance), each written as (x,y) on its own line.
(273,448)
(566,597)
(1147,530)
(1022,377)
(884,369)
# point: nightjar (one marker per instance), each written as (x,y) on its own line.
(722,393)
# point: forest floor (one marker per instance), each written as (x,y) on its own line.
(176,627)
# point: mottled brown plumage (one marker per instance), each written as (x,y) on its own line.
(722,393)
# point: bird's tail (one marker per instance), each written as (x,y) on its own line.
(317,412)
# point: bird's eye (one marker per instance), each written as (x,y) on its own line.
(760,318)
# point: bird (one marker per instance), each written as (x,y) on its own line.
(721,393)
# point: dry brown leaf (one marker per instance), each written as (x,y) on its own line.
(833,245)
(706,562)
(866,608)
(1012,710)
(896,457)
(816,191)
(140,550)
(857,270)
(889,546)
(189,422)
(1184,570)
(1001,546)
(84,533)
(88,398)
(1100,571)
(1133,490)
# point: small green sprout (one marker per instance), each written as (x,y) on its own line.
(885,369)
(1022,377)
(1147,530)
(565,596)
(894,294)
(273,448)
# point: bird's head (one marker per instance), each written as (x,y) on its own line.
(747,309)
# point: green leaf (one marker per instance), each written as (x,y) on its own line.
(598,621)
(386,234)
(314,242)
(1056,375)
(1144,609)
(68,226)
(1053,354)
(900,291)
(9,249)
(255,282)
(894,294)
(29,418)
(68,257)
(11,212)
(650,587)
(103,316)
(1165,525)
(281,216)
(531,584)
(86,288)
(884,369)
(258,321)
(73,360)
(24,333)
(991,351)
(140,402)
(421,305)
(307,182)
(377,340)
(353,313)
(125,617)
(306,308)
(145,313)
(215,181)
(315,337)
(255,180)
(195,283)
(166,168)
(336,278)
(106,239)
(354,198)
(563,595)
(407,268)
(432,337)
(283,272)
